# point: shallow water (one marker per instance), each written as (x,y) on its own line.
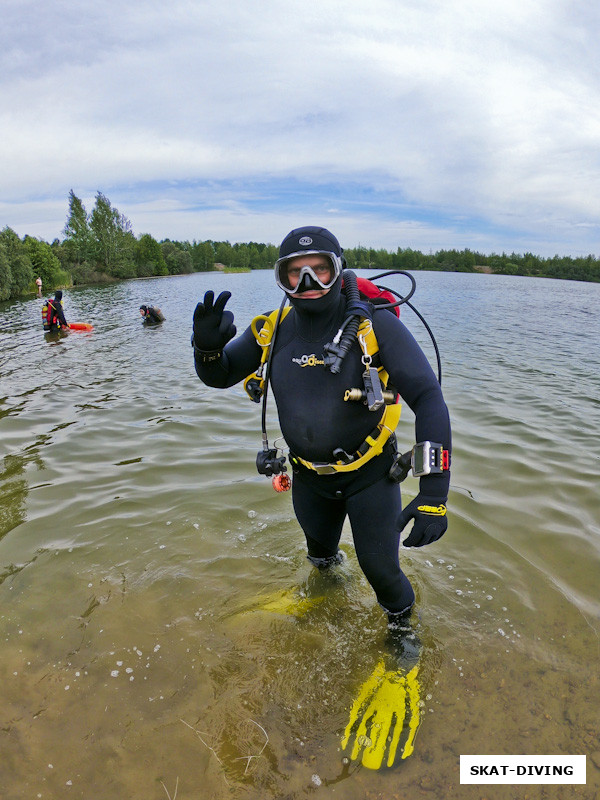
(137,540)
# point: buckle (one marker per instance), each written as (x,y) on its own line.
(324,469)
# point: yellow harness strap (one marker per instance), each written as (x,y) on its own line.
(386,427)
(263,327)
(366,332)
(263,336)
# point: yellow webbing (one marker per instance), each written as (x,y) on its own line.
(389,423)
(368,334)
(264,336)
(391,416)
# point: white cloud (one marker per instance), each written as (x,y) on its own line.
(481,117)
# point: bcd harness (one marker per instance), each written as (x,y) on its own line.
(49,314)
(374,395)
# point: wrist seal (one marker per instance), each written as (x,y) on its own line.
(206,356)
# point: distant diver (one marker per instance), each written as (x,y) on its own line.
(151,315)
(53,315)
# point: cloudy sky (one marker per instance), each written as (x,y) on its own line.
(415,123)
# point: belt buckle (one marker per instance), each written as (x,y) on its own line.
(324,469)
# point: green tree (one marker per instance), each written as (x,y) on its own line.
(203,256)
(269,256)
(77,233)
(114,243)
(241,256)
(178,261)
(5,276)
(382,260)
(19,274)
(44,262)
(253,256)
(407,259)
(224,253)
(148,257)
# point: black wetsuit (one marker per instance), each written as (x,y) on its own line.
(152,316)
(315,420)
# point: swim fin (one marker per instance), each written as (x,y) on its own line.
(384,718)
(290,602)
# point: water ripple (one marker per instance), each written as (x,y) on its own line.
(137,544)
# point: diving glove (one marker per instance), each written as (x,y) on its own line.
(213,326)
(430,520)
(384,718)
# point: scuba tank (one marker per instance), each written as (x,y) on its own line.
(47,315)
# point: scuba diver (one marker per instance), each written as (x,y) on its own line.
(151,315)
(53,315)
(337,364)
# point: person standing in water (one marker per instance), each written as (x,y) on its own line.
(53,315)
(343,452)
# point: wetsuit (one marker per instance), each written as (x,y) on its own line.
(315,420)
(57,319)
(152,316)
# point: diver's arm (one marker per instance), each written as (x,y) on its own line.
(239,358)
(411,374)
(60,314)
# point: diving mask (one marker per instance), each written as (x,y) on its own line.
(320,276)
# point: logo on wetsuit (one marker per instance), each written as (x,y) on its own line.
(309,361)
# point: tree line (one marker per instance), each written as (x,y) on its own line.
(100,247)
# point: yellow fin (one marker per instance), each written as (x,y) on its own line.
(387,705)
(286,601)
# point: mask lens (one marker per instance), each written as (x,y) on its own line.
(292,275)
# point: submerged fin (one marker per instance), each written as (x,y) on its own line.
(289,602)
(384,718)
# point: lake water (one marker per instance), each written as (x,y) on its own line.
(137,540)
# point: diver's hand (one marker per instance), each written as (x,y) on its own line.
(386,707)
(213,326)
(430,520)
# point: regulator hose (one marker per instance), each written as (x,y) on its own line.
(405,299)
(336,350)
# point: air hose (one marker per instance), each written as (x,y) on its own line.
(342,342)
(405,300)
(267,461)
(346,336)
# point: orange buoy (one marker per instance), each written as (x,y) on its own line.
(81,326)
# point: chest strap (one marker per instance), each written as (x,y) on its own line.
(371,447)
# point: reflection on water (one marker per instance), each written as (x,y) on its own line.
(143,655)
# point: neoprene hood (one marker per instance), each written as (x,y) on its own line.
(309,238)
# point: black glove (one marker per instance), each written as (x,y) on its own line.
(213,327)
(430,520)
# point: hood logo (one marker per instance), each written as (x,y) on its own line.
(305,241)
